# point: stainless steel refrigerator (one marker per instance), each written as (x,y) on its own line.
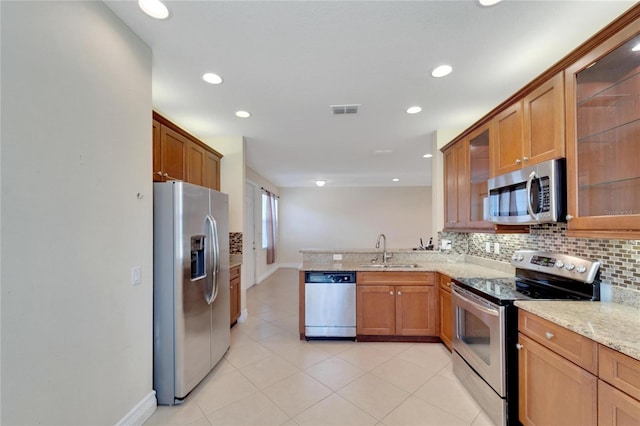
(190,286)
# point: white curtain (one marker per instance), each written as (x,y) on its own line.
(272,228)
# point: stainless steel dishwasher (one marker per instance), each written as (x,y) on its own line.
(330,304)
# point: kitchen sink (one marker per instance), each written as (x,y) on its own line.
(389,265)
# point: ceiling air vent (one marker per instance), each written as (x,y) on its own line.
(344,109)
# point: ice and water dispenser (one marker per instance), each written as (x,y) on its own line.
(198,270)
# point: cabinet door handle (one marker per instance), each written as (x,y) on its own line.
(525,159)
(548,335)
(518,161)
(519,346)
(449,284)
(569,217)
(391,293)
(399,293)
(166,175)
(159,173)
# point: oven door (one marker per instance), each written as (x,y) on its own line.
(479,336)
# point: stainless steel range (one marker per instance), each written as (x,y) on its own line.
(485,356)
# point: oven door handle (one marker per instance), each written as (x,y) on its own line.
(476,305)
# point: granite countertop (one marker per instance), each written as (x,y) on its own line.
(612,324)
(457,270)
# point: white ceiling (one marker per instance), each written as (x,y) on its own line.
(287,61)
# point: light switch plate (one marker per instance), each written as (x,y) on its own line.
(445,244)
(496,248)
(136,275)
(487,247)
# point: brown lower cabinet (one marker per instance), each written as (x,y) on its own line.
(568,379)
(553,390)
(402,304)
(446,321)
(234,294)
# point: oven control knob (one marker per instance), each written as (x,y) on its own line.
(570,266)
(559,264)
(581,269)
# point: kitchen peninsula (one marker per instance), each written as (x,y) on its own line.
(593,320)
(403,299)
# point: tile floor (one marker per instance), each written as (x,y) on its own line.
(270,377)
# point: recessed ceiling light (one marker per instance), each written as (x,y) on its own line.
(243,114)
(395,180)
(428,155)
(154,8)
(212,78)
(488,3)
(414,110)
(441,71)
(321,182)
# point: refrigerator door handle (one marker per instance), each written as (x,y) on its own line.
(214,255)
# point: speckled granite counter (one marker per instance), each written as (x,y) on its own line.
(611,324)
(456,270)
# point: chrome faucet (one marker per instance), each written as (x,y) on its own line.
(385,256)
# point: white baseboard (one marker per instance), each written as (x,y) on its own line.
(243,315)
(141,412)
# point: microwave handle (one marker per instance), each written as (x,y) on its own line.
(530,179)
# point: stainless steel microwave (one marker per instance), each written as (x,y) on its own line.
(535,194)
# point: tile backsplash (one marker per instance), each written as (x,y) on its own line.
(235,242)
(619,258)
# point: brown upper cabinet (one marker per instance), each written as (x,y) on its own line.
(170,154)
(603,138)
(530,130)
(584,108)
(177,155)
(507,144)
(466,172)
(455,185)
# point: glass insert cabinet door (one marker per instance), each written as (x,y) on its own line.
(603,108)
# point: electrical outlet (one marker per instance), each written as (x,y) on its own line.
(496,248)
(445,244)
(487,247)
(337,257)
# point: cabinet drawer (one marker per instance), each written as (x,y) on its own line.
(413,278)
(234,272)
(445,283)
(619,370)
(574,347)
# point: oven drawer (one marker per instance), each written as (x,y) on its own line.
(572,346)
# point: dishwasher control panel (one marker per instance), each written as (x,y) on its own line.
(322,277)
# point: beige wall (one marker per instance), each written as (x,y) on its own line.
(76,131)
(232,176)
(352,218)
